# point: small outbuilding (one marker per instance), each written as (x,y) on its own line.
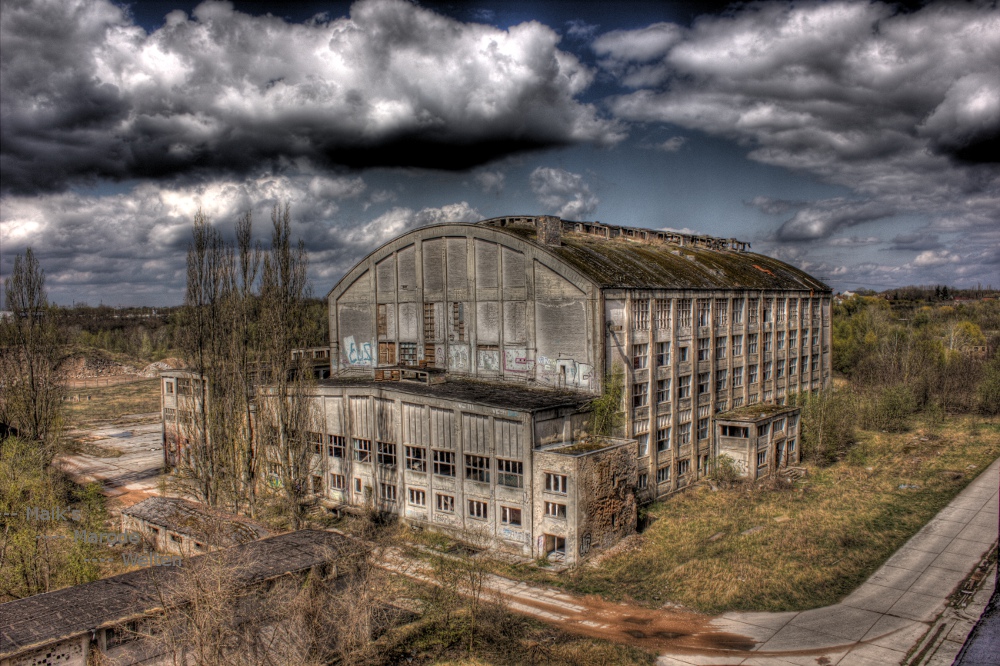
(760,439)
(174,525)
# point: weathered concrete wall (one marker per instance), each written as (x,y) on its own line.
(607,510)
(472,300)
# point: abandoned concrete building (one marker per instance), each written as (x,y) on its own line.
(116,617)
(173,525)
(464,360)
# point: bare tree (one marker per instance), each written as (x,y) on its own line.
(29,350)
(286,412)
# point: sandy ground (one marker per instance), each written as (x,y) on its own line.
(130,477)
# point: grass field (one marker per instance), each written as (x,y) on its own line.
(87,406)
(819,538)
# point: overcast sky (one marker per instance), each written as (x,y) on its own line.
(859,141)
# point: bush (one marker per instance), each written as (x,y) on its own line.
(889,409)
(828,421)
(988,391)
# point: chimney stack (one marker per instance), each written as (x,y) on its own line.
(550,230)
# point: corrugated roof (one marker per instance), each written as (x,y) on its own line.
(209,525)
(53,616)
(633,263)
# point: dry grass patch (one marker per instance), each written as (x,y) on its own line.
(107,404)
(818,539)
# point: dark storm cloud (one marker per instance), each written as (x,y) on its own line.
(86,94)
(900,107)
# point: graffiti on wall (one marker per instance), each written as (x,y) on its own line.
(458,357)
(565,371)
(516,360)
(488,360)
(357,354)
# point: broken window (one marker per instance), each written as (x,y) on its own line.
(704,311)
(477,468)
(643,441)
(737,345)
(555,546)
(663,474)
(640,315)
(761,458)
(793,339)
(316,439)
(555,483)
(703,380)
(477,510)
(768,309)
(640,356)
(767,371)
(793,310)
(169,387)
(752,308)
(737,310)
(416,459)
(752,343)
(735,431)
(357,485)
(445,503)
(337,446)
(662,314)
(703,428)
(738,376)
(779,340)
(763,430)
(663,439)
(684,313)
(662,353)
(684,434)
(752,374)
(387,454)
(721,312)
(721,377)
(338,482)
(510,516)
(683,387)
(510,473)
(779,370)
(555,510)
(444,463)
(683,466)
(663,390)
(363,450)
(642,482)
(387,492)
(704,349)
(640,395)
(793,365)
(720,348)
(767,343)
(418,497)
(682,354)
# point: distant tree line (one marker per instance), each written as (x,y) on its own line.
(934,293)
(901,358)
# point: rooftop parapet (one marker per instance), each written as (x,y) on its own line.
(549,229)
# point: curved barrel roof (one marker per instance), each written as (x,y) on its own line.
(631,258)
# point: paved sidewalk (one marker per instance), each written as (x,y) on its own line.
(881,621)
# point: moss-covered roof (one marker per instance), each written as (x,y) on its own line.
(641,264)
(754,412)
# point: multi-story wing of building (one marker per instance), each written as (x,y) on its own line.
(465,358)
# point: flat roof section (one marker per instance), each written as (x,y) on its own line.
(54,616)
(492,394)
(212,526)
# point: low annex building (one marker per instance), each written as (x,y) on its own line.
(110,616)
(465,358)
(175,525)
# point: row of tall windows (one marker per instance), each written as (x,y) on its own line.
(703,310)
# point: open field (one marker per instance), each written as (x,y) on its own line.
(106,404)
(798,547)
